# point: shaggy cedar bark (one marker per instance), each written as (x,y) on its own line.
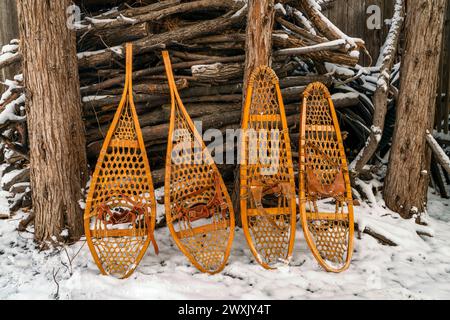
(258,49)
(261,16)
(56,129)
(407,178)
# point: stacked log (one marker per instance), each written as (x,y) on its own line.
(15,172)
(206,40)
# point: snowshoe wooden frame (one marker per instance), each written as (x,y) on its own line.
(324,174)
(120,212)
(199,210)
(270,231)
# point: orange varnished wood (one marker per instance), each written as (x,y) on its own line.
(122,180)
(189,183)
(328,234)
(269,230)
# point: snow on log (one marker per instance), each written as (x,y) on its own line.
(300,17)
(345,100)
(439,153)
(8,115)
(121,20)
(326,27)
(159,41)
(325,46)
(10,54)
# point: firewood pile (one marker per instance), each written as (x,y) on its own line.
(206,40)
(13,141)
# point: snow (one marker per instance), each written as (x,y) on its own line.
(94,98)
(355,54)
(12,85)
(417,268)
(342,95)
(18,77)
(366,99)
(339,70)
(126,19)
(306,23)
(117,50)
(441,135)
(9,51)
(351,43)
(103,21)
(316,4)
(9,112)
(317,47)
(368,86)
(283,36)
(6,56)
(240,11)
(439,152)
(390,46)
(99,21)
(377,132)
(6,178)
(279,7)
(9,48)
(323,2)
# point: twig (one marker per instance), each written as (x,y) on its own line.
(55,274)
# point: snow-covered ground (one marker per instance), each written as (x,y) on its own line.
(418,268)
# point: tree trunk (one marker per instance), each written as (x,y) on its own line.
(56,130)
(407,178)
(9,29)
(258,46)
(258,49)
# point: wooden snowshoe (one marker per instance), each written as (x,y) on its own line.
(268,204)
(324,175)
(120,212)
(199,211)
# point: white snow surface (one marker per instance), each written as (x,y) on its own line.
(279,7)
(339,70)
(117,50)
(8,113)
(417,268)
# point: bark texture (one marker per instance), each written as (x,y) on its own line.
(56,129)
(260,20)
(407,178)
